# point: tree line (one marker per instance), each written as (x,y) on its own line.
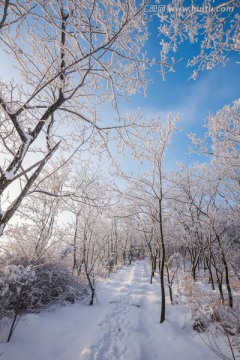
(68,212)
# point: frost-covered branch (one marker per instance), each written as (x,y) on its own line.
(211,28)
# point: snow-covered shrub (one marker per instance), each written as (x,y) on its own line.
(31,287)
(188,288)
(15,286)
(55,283)
(175,260)
(218,321)
(200,324)
(16,282)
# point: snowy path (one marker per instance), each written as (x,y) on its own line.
(125,326)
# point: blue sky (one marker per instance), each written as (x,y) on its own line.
(194,100)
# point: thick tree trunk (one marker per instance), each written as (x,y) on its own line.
(153,263)
(169,285)
(162,262)
(208,264)
(219,283)
(91,284)
(161,273)
(230,298)
(194,261)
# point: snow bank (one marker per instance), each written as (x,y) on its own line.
(124,326)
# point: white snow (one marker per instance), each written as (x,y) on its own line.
(9,175)
(124,326)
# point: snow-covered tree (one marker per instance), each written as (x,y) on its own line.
(69,58)
(149,190)
(222,139)
(211,27)
(208,219)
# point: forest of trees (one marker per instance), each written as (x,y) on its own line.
(69,213)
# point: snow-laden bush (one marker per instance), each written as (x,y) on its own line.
(32,287)
(217,321)
(55,283)
(15,286)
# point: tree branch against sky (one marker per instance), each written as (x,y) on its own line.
(70,58)
(87,184)
(148,190)
(210,27)
(222,140)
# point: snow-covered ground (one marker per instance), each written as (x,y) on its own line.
(124,325)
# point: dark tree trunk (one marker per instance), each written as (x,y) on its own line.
(208,264)
(230,298)
(153,262)
(169,285)
(162,265)
(91,284)
(219,283)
